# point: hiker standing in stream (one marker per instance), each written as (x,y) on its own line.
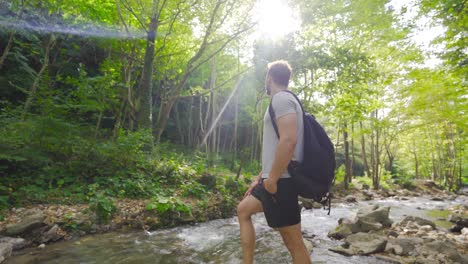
(274,192)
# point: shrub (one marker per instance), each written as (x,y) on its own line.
(103,206)
(167,205)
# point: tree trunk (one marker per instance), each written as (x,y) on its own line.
(214,103)
(190,130)
(353,160)
(347,160)
(377,154)
(364,155)
(166,107)
(372,153)
(233,147)
(179,124)
(98,125)
(32,91)
(146,85)
(7,49)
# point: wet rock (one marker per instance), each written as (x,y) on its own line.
(308,245)
(368,195)
(341,231)
(459,225)
(364,226)
(464,231)
(52,235)
(393,233)
(28,223)
(16,243)
(372,218)
(445,251)
(426,228)
(350,199)
(309,203)
(431,184)
(41,246)
(438,199)
(418,220)
(454,218)
(5,251)
(403,246)
(375,214)
(362,244)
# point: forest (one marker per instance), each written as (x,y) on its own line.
(163,100)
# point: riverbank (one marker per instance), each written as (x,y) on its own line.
(217,241)
(40,225)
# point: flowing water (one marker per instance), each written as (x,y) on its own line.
(218,241)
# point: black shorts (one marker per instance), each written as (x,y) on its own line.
(282,208)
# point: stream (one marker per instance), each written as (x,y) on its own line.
(218,241)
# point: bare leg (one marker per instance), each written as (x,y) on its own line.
(292,238)
(246,208)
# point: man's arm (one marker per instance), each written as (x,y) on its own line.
(287,127)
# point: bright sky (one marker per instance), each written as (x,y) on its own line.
(425,33)
(276,19)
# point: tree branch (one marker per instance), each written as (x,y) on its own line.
(130,9)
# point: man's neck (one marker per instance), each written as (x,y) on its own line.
(276,89)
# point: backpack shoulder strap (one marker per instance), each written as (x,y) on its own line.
(273,117)
(272,112)
(297,99)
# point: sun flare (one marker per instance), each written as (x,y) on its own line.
(275,18)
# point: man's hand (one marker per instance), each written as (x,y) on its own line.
(270,185)
(252,185)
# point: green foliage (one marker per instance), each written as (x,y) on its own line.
(364,180)
(167,205)
(340,173)
(194,189)
(103,206)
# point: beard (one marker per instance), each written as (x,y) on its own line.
(268,89)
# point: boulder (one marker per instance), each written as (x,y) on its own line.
(375,214)
(5,251)
(16,243)
(418,220)
(52,235)
(403,246)
(350,199)
(341,231)
(464,231)
(368,195)
(430,184)
(308,245)
(444,250)
(309,203)
(459,225)
(372,218)
(28,223)
(364,226)
(362,244)
(454,218)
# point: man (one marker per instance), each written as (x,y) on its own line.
(273,190)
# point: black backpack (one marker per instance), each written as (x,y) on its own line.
(315,175)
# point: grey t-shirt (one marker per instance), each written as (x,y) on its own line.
(283,103)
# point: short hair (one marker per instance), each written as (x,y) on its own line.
(280,72)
